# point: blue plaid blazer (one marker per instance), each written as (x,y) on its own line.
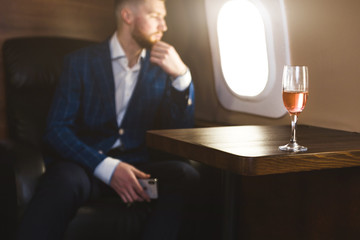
(82,124)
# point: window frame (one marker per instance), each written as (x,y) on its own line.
(269,102)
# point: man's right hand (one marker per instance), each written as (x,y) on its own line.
(124,182)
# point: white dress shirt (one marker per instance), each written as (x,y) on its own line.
(125,79)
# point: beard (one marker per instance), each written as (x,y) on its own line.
(144,41)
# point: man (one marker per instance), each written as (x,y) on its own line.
(108,96)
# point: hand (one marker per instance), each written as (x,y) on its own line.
(168,59)
(124,182)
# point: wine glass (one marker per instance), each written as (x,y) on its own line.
(295,84)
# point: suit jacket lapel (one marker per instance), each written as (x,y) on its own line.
(105,75)
(139,92)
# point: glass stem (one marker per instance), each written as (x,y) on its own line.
(294,118)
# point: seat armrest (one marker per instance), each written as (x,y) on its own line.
(8,203)
(26,163)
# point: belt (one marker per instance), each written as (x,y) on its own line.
(121,150)
(116,151)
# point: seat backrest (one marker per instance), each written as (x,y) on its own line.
(32,68)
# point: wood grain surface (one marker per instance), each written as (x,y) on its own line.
(253,150)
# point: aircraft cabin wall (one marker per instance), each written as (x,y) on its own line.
(323,34)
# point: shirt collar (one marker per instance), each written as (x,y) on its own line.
(117,51)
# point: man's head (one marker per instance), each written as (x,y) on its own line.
(144,20)
(120,2)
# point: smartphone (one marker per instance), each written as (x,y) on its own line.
(150,187)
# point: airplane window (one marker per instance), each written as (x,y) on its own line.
(249,47)
(242,44)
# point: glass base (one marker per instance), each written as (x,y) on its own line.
(293,147)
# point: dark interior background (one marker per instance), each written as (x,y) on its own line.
(324,35)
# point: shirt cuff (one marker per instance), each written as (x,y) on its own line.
(105,169)
(182,82)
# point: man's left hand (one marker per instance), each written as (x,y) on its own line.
(166,56)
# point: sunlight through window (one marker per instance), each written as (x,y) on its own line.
(242,45)
(249,48)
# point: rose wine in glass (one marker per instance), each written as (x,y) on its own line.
(295,84)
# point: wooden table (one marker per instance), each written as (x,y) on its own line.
(253,151)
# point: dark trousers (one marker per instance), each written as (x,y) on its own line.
(66,186)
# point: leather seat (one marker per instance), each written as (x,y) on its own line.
(32,68)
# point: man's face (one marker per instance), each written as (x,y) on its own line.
(149,23)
